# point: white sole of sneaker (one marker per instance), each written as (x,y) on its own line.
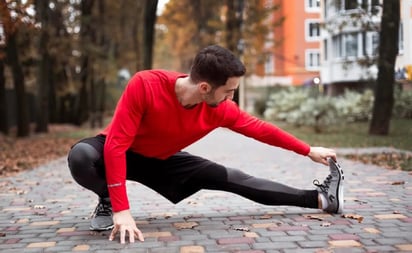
(340,188)
(101,229)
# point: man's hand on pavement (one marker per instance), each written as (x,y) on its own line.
(125,224)
(320,154)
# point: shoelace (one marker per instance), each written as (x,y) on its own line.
(103,209)
(325,185)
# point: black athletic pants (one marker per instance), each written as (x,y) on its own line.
(180,176)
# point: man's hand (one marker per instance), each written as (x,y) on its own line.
(124,223)
(320,155)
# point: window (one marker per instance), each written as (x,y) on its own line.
(312,30)
(401,41)
(269,64)
(325,50)
(312,59)
(370,43)
(346,45)
(312,5)
(336,46)
(350,4)
(350,44)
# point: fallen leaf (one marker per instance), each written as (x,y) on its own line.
(265,217)
(398,183)
(185,225)
(314,217)
(325,224)
(361,201)
(240,228)
(354,217)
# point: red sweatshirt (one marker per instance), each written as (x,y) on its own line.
(149,120)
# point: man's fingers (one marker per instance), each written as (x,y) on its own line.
(131,235)
(122,236)
(139,235)
(113,233)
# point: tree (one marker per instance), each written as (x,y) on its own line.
(234,23)
(11,28)
(42,117)
(86,33)
(148,32)
(4,124)
(388,50)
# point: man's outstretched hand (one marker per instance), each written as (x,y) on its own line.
(320,155)
(126,226)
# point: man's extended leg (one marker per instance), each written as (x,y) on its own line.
(184,174)
(86,165)
(194,173)
(260,190)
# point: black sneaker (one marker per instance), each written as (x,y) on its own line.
(102,217)
(332,188)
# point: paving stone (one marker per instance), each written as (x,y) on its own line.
(238,240)
(345,243)
(390,216)
(81,247)
(344,237)
(41,244)
(404,247)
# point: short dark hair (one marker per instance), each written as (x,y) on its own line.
(214,65)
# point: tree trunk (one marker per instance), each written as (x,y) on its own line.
(85,33)
(44,68)
(4,123)
(148,32)
(388,50)
(12,58)
(23,128)
(234,21)
(137,29)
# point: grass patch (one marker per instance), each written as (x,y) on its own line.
(355,135)
(393,161)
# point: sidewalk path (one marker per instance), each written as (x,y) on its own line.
(43,210)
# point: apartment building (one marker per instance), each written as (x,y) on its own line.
(350,40)
(294,54)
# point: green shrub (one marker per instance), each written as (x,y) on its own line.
(403,104)
(354,106)
(300,107)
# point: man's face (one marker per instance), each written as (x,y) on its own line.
(216,96)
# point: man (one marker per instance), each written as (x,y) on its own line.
(162,112)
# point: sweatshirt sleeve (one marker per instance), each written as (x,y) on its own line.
(248,125)
(120,136)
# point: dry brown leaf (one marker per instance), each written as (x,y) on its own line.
(325,224)
(353,216)
(185,225)
(314,217)
(398,183)
(241,228)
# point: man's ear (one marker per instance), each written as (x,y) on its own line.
(204,87)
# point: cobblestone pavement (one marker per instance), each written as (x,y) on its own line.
(43,210)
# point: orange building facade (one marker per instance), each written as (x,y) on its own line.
(295,54)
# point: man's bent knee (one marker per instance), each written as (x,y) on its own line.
(81,160)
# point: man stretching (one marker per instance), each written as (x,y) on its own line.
(162,112)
